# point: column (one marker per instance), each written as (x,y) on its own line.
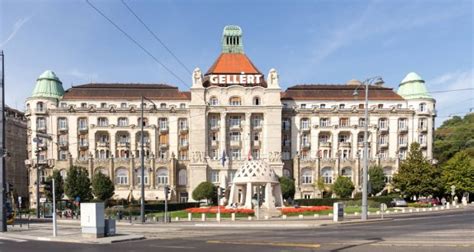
(113,143)
(222,134)
(248,196)
(246,136)
(269,203)
(131,172)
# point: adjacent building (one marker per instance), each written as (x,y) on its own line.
(16,154)
(231,113)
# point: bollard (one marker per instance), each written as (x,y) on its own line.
(417,210)
(368,213)
(177,218)
(190,216)
(283,216)
(403,210)
(447,205)
(457,206)
(218,217)
(203,217)
(356,213)
(430,209)
(266,217)
(316,215)
(378,212)
(250,218)
(300,216)
(232,216)
(411,210)
(424,210)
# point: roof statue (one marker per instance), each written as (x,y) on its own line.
(48,85)
(197,78)
(413,87)
(272,79)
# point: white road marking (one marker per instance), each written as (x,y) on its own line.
(11,239)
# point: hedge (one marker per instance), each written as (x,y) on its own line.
(330,201)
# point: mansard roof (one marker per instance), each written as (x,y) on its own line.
(112,91)
(337,92)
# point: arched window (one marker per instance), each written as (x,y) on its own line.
(286,173)
(213,101)
(145,121)
(40,107)
(422,107)
(388,173)
(182,177)
(306,176)
(256,101)
(162,176)
(102,170)
(327,175)
(138,175)
(121,176)
(347,172)
(235,101)
(182,105)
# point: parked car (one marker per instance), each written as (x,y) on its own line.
(432,201)
(398,202)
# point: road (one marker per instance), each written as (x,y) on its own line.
(448,231)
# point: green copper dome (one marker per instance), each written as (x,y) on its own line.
(413,87)
(232,39)
(48,85)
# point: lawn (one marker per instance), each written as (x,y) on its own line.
(347,210)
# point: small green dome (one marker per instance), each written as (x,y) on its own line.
(232,39)
(48,85)
(413,87)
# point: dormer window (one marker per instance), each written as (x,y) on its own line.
(163,105)
(123,105)
(303,105)
(83,105)
(323,106)
(103,105)
(213,101)
(235,101)
(342,106)
(256,101)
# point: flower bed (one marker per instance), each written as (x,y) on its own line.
(288,210)
(223,210)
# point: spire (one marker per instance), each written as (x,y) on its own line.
(232,40)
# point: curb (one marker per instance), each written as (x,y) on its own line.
(109,240)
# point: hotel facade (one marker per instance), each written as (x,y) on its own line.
(231,113)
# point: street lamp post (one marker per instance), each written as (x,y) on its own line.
(367,82)
(38,139)
(142,161)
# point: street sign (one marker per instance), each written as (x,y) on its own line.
(42,200)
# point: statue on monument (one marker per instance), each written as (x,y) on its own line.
(197,78)
(272,79)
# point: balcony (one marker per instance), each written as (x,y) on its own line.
(82,128)
(305,128)
(423,128)
(41,128)
(214,143)
(361,144)
(163,129)
(83,145)
(146,144)
(402,145)
(402,128)
(102,144)
(123,145)
(423,112)
(41,111)
(183,145)
(164,145)
(235,127)
(344,144)
(63,144)
(305,145)
(235,143)
(63,128)
(257,143)
(383,128)
(325,144)
(423,145)
(215,127)
(183,129)
(257,127)
(383,145)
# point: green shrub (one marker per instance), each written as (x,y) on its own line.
(343,187)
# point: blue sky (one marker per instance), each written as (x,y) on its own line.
(306,41)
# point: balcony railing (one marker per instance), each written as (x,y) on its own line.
(345,144)
(325,144)
(183,129)
(123,144)
(256,143)
(82,128)
(163,129)
(402,128)
(235,127)
(164,145)
(305,145)
(214,143)
(423,128)
(102,144)
(235,143)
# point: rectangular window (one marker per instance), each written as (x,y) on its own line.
(215,176)
(62,123)
(234,136)
(163,123)
(234,121)
(235,154)
(344,122)
(324,122)
(213,122)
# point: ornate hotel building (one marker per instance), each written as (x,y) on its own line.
(232,112)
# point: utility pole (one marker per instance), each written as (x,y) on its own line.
(142,162)
(55,226)
(3,212)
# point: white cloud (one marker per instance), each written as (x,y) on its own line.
(16,27)
(457,102)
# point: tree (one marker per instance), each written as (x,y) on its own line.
(102,187)
(459,171)
(58,184)
(452,136)
(343,187)
(376,179)
(287,187)
(205,190)
(78,184)
(416,176)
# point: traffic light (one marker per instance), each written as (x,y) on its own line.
(221,191)
(48,185)
(167,192)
